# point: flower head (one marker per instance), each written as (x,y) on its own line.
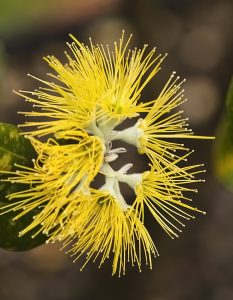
(77,115)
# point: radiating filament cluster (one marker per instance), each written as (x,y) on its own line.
(73,128)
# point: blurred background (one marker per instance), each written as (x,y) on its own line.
(198,37)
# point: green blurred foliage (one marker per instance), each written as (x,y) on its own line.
(223,151)
(18,16)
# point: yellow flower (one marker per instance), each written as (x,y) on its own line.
(162,192)
(89,97)
(96,86)
(155,134)
(103,230)
(58,171)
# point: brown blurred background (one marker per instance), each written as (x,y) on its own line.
(198,37)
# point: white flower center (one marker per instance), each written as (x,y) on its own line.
(107,134)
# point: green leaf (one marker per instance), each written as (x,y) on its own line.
(223,151)
(9,232)
(15,149)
